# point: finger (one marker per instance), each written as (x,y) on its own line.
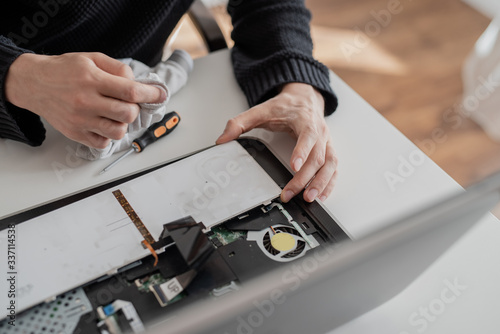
(130,91)
(96,141)
(305,143)
(117,110)
(112,66)
(329,188)
(314,163)
(242,123)
(323,178)
(109,129)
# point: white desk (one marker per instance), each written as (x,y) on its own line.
(368,148)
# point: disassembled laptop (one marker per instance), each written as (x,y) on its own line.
(187,261)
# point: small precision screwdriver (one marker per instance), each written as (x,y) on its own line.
(153,133)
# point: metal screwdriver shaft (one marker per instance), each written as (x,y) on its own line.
(117,161)
(153,133)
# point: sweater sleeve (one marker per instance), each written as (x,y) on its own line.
(273,47)
(16,123)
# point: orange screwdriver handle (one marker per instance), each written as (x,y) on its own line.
(157,130)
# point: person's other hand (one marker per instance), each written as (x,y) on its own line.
(298,110)
(89,97)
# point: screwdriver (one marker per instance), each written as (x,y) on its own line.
(153,133)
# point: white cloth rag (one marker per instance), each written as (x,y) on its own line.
(170,75)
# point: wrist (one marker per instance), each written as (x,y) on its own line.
(16,87)
(307,92)
(300,88)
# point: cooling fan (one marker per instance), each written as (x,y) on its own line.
(280,242)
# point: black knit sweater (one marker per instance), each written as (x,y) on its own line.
(272,44)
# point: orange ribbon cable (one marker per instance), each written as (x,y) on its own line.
(133,216)
(148,238)
(153,252)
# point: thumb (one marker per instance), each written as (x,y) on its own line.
(112,66)
(242,123)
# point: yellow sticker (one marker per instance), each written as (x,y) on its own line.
(283,242)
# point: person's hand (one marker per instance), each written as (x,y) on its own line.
(298,110)
(89,97)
